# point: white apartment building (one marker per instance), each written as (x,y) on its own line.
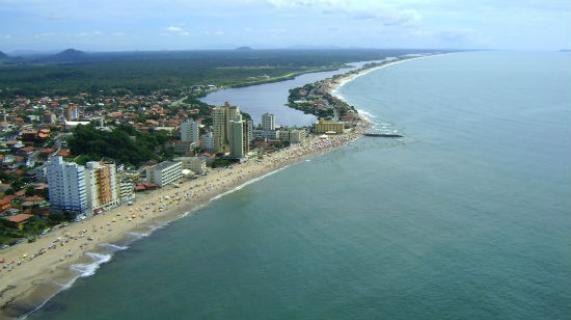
(197,165)
(166,173)
(268,122)
(66,183)
(189,131)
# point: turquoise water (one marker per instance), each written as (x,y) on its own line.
(468,217)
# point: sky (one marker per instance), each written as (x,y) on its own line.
(118,25)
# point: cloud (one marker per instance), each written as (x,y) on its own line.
(89,34)
(176,30)
(374,10)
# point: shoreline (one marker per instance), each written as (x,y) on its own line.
(80,248)
(336,84)
(26,291)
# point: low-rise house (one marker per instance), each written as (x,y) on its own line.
(19,220)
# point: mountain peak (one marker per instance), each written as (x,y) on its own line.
(71,53)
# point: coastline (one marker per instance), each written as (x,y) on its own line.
(336,84)
(27,288)
(80,248)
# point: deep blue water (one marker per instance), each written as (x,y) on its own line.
(468,217)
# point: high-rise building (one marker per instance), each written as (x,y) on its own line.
(248,134)
(101,186)
(189,131)
(219,129)
(66,186)
(207,141)
(250,131)
(237,150)
(268,122)
(222,118)
(232,114)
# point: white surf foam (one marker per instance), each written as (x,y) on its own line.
(88,269)
(114,247)
(248,183)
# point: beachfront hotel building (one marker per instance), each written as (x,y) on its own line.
(329,126)
(166,173)
(101,186)
(232,114)
(292,136)
(66,186)
(219,129)
(237,149)
(189,131)
(222,118)
(126,190)
(268,122)
(197,165)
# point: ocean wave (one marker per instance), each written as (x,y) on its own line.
(366,114)
(248,183)
(138,235)
(114,247)
(88,269)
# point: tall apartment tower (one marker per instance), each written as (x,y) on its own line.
(237,143)
(207,141)
(232,114)
(66,186)
(101,186)
(268,122)
(222,118)
(219,129)
(190,131)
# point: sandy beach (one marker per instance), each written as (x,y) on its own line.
(34,272)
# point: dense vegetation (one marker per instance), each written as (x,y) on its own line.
(123,144)
(10,235)
(145,72)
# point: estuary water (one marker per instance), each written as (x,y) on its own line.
(272,97)
(467,217)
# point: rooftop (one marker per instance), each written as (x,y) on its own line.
(19,218)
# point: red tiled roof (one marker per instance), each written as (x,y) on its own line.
(19,218)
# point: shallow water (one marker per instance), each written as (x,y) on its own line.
(468,217)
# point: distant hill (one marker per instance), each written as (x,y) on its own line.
(3,55)
(71,54)
(66,56)
(244,49)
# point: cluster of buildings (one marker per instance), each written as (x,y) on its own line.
(88,189)
(269,131)
(33,149)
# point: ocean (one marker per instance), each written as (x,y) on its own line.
(467,217)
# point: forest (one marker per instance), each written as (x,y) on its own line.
(146,72)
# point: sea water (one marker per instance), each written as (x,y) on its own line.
(467,217)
